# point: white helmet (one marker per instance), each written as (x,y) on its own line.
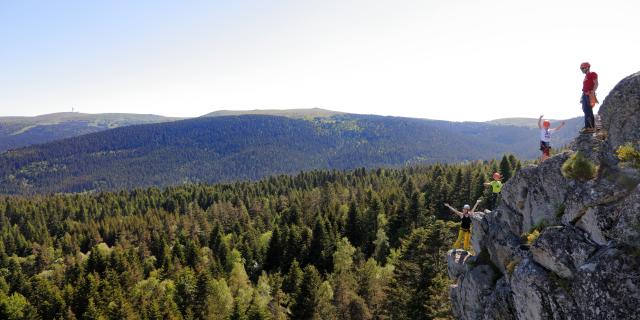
(466,206)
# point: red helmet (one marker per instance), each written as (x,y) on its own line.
(585,65)
(497,176)
(546,124)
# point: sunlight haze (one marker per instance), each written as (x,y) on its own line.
(451,60)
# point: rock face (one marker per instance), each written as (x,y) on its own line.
(619,111)
(585,261)
(561,249)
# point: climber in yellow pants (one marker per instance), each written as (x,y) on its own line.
(464,235)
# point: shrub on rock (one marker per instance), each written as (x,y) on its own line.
(627,153)
(578,167)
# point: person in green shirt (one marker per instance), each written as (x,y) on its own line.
(496,187)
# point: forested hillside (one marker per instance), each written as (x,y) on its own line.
(362,244)
(230,148)
(17,132)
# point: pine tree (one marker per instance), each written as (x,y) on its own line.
(456,199)
(478,187)
(275,251)
(186,290)
(93,313)
(353,231)
(372,281)
(16,307)
(293,246)
(293,279)
(419,266)
(220,248)
(306,305)
(260,301)
(416,210)
(221,300)
(464,193)
(47,298)
(398,224)
(326,309)
(319,246)
(514,162)
(505,169)
(241,290)
(201,296)
(381,244)
(344,280)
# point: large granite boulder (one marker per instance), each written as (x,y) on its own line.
(491,235)
(608,285)
(499,304)
(536,194)
(537,295)
(626,217)
(562,250)
(470,293)
(607,208)
(620,112)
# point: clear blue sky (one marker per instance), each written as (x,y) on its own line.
(454,60)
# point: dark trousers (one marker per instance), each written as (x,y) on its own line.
(493,200)
(589,120)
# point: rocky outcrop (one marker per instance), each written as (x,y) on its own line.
(585,261)
(619,112)
(470,294)
(561,249)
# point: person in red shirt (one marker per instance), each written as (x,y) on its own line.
(589,86)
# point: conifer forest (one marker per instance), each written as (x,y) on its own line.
(358,244)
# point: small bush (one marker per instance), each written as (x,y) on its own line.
(628,154)
(577,167)
(534,232)
(531,237)
(511,266)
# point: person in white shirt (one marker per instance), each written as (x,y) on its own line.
(545,136)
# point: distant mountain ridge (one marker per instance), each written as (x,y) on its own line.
(225,148)
(523,122)
(17,132)
(291,113)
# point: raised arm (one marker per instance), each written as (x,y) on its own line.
(540,122)
(560,126)
(476,205)
(453,209)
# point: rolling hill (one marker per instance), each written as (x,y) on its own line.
(17,132)
(290,113)
(225,148)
